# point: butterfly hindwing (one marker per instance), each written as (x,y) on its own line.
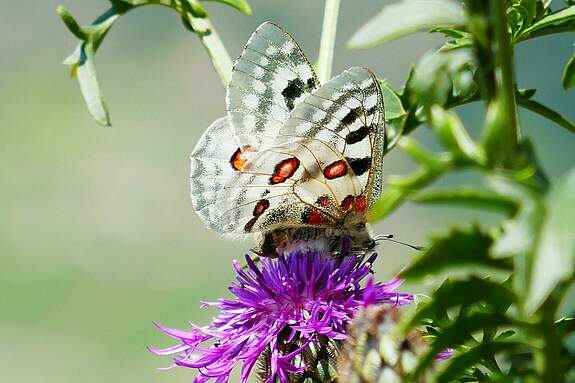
(347,115)
(212,166)
(269,78)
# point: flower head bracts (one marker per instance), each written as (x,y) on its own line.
(280,307)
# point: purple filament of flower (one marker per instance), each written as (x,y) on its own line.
(304,294)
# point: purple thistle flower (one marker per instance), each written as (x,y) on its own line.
(293,300)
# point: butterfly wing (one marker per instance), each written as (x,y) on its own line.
(269,78)
(326,159)
(213,162)
(347,113)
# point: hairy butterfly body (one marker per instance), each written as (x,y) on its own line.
(293,161)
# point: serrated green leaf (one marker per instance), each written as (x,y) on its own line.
(460,248)
(241,5)
(520,234)
(392,102)
(458,364)
(563,15)
(454,137)
(460,293)
(554,259)
(406,17)
(459,333)
(470,197)
(568,77)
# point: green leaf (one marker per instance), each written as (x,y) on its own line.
(71,23)
(470,197)
(454,137)
(520,234)
(568,77)
(194,8)
(554,259)
(457,334)
(392,102)
(458,364)
(563,15)
(460,248)
(241,5)
(462,293)
(441,75)
(422,156)
(386,204)
(406,17)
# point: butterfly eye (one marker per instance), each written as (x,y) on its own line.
(360,226)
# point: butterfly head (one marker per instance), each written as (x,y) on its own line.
(357,230)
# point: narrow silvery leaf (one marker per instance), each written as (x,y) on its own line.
(406,17)
(86,73)
(554,259)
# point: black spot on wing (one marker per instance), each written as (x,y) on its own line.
(359,165)
(292,91)
(348,119)
(357,135)
(311,85)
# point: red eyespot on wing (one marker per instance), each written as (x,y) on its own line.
(335,170)
(238,159)
(284,170)
(313,217)
(261,207)
(347,202)
(360,204)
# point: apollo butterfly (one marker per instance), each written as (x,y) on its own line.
(293,160)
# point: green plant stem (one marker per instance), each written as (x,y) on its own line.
(214,46)
(548,360)
(327,43)
(504,58)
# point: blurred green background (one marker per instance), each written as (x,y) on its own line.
(97,234)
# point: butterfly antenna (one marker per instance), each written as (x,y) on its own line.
(389,237)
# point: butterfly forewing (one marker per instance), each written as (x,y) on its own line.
(270,77)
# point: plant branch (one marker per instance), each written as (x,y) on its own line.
(549,113)
(327,43)
(214,46)
(504,58)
